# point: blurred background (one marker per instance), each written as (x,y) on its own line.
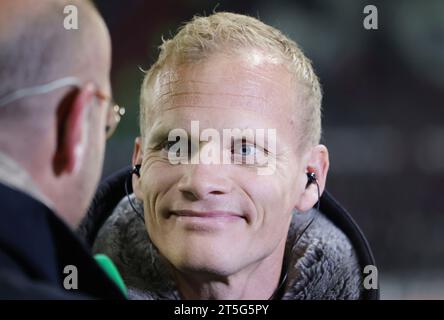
(383,112)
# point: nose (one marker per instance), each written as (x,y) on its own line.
(201,181)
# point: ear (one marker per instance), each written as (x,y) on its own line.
(137,159)
(318,162)
(71,130)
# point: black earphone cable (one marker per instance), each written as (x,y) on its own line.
(129,199)
(278,291)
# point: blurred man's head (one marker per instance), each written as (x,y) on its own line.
(58,136)
(216,220)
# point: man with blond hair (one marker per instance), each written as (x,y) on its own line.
(55,113)
(218,230)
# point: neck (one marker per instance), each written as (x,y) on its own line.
(34,179)
(16,174)
(258,281)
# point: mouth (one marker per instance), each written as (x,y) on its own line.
(214,214)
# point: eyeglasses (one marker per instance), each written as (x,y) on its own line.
(114,115)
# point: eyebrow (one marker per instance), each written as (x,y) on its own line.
(158,134)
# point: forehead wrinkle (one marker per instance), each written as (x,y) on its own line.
(253,104)
(257,73)
(208,106)
(168,86)
(160,123)
(251,74)
(194,99)
(195,92)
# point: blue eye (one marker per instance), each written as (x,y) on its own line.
(247,150)
(244,150)
(248,153)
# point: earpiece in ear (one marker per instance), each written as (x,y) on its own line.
(311,178)
(136,170)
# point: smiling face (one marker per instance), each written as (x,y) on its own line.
(222,218)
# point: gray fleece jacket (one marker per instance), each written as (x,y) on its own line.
(322,264)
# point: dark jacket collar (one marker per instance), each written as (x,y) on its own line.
(25,234)
(35,242)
